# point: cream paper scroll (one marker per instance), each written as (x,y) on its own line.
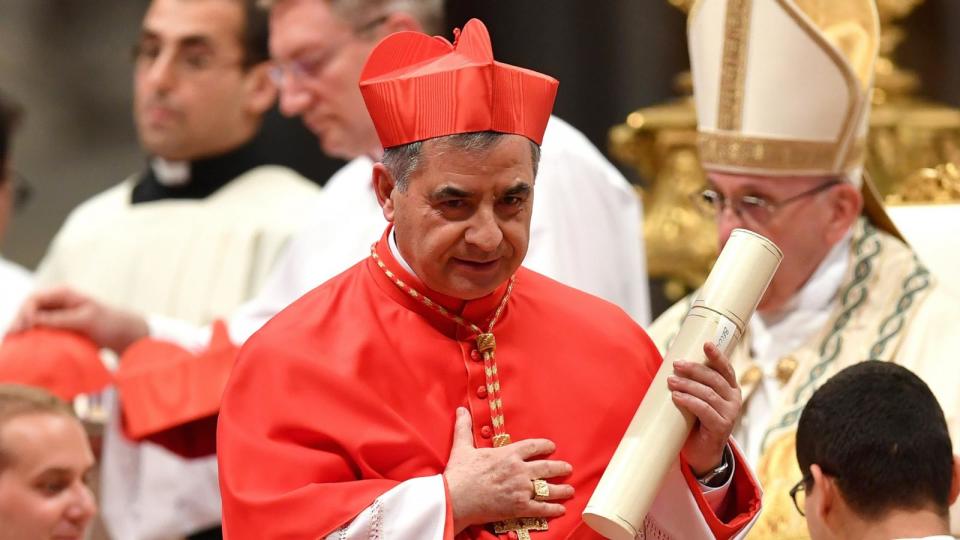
(658,430)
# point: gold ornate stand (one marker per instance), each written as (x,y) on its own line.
(913,157)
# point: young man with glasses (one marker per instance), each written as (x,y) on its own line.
(876,457)
(193,236)
(15,282)
(783,149)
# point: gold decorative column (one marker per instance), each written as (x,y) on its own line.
(913,157)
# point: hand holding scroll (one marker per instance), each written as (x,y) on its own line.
(711,393)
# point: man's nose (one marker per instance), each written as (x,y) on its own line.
(294,97)
(484,231)
(162,72)
(727,220)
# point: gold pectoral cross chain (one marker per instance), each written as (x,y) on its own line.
(521,526)
(487,347)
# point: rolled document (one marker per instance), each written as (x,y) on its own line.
(658,430)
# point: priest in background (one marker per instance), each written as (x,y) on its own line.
(192,237)
(782,91)
(15,282)
(436,388)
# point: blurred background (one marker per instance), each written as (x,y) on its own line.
(68,63)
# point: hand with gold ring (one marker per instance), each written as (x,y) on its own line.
(494,484)
(541,490)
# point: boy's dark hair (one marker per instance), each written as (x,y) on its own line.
(877,429)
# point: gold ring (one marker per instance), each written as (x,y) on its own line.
(541,491)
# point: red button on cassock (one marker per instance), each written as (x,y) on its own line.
(475,355)
(481,392)
(486,432)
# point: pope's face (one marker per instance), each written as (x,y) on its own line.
(463,222)
(800,228)
(322,57)
(43,491)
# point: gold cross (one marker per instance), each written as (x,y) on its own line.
(521,526)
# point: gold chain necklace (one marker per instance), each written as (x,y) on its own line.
(486,345)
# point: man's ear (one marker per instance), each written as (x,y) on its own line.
(261,92)
(955,482)
(826,503)
(846,206)
(384,184)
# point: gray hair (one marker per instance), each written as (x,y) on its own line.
(429,13)
(404,160)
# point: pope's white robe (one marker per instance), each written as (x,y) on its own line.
(869,299)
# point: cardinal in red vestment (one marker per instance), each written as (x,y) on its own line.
(438,389)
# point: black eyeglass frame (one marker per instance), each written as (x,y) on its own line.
(797,488)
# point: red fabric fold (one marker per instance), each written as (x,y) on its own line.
(165,387)
(744,495)
(353,389)
(64,363)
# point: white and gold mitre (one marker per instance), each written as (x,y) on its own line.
(782,87)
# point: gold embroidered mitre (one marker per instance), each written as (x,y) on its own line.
(782,87)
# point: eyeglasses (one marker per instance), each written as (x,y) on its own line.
(750,208)
(312,65)
(799,493)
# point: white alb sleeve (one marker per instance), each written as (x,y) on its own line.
(414,510)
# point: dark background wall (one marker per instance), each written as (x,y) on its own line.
(67,61)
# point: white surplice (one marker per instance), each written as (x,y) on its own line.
(193,259)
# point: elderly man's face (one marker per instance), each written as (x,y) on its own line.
(321,57)
(804,229)
(193,98)
(43,491)
(463,222)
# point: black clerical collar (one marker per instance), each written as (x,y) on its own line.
(197,179)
